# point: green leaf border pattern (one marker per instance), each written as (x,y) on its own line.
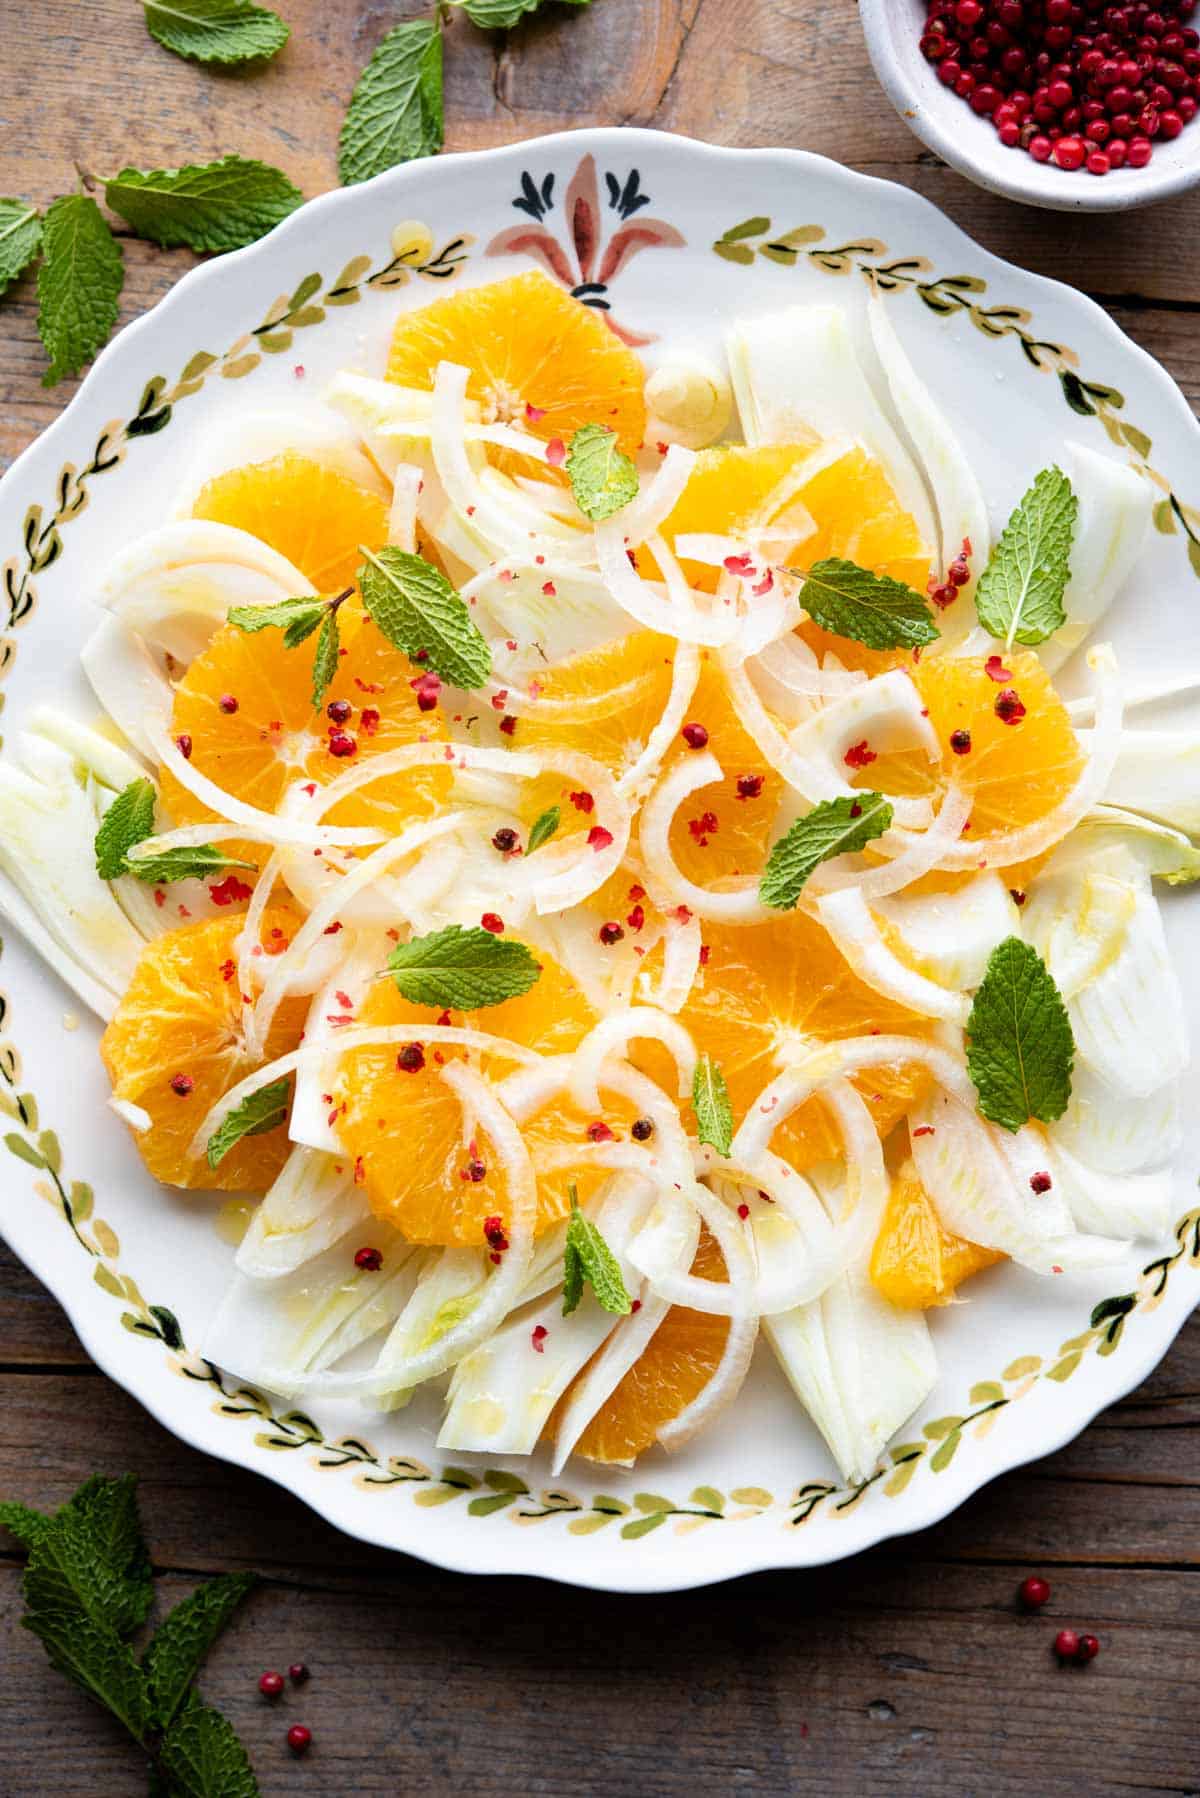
(949,296)
(496,1491)
(307,305)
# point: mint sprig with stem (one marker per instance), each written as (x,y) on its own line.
(88,1590)
(129,822)
(298,618)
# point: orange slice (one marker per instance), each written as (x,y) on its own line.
(678,1362)
(781,987)
(537,358)
(244,708)
(729,491)
(311,514)
(404,1127)
(174,1045)
(1017,771)
(916,1261)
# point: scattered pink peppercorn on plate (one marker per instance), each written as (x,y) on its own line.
(1073,105)
(673,241)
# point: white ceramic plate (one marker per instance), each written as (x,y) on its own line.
(688,236)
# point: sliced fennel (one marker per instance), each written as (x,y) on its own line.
(949,936)
(797,379)
(313,1204)
(1165,853)
(1158,772)
(1115,508)
(1109,1131)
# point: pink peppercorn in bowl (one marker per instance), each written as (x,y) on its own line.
(1078,130)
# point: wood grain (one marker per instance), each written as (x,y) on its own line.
(907,1671)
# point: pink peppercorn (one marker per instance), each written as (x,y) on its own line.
(299,1738)
(270,1684)
(695,736)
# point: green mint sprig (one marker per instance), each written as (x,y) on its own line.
(587,1256)
(88,1588)
(603,479)
(298,618)
(1020,1047)
(78,284)
(835,827)
(872,608)
(462,970)
(258,1112)
(1020,592)
(218,31)
(20,238)
(544,827)
(710,1102)
(129,821)
(418,610)
(204,206)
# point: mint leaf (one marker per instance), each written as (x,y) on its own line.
(259,1111)
(90,1654)
(395,112)
(297,618)
(710,1101)
(205,205)
(129,820)
(502,15)
(835,827)
(544,827)
(203,1756)
(20,238)
(192,862)
(325,662)
(99,1551)
(1020,1049)
(224,31)
(26,1525)
(588,1257)
(418,610)
(78,286)
(872,608)
(184,1637)
(462,970)
(603,479)
(1019,596)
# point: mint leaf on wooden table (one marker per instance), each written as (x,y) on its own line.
(184,1637)
(204,206)
(26,1525)
(129,820)
(78,286)
(602,477)
(1020,1048)
(418,610)
(544,827)
(1020,592)
(97,1549)
(835,827)
(872,608)
(20,238)
(222,31)
(710,1102)
(462,970)
(203,1757)
(258,1112)
(587,1256)
(395,113)
(502,15)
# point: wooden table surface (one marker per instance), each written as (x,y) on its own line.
(907,1670)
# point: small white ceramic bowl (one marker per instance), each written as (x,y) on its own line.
(970,144)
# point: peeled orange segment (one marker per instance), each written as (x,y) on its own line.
(780,988)
(678,1362)
(603,701)
(537,358)
(312,514)
(175,1045)
(724,830)
(404,1129)
(271,737)
(916,1262)
(1016,772)
(729,492)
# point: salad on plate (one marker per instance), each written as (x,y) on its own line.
(594,863)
